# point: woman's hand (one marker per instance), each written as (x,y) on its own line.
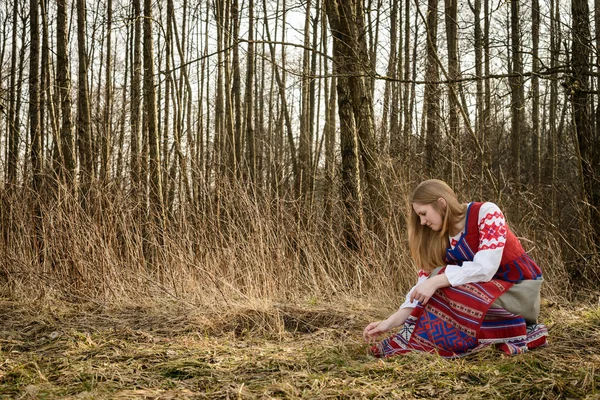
(374,329)
(425,290)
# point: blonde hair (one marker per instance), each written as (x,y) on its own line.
(428,247)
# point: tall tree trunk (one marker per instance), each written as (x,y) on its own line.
(451,17)
(137,178)
(34,126)
(34,97)
(586,137)
(303,183)
(248,99)
(150,119)
(389,91)
(535,92)
(480,122)
(517,96)
(280,79)
(84,128)
(63,78)
(432,139)
(106,141)
(487,109)
(329,127)
(13,112)
(407,127)
(236,90)
(48,118)
(350,171)
(166,127)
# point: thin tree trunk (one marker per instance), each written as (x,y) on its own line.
(34,97)
(535,89)
(281,86)
(136,96)
(587,142)
(63,78)
(407,127)
(84,127)
(13,111)
(107,129)
(517,98)
(150,117)
(248,99)
(236,90)
(303,184)
(487,109)
(451,16)
(432,138)
(389,93)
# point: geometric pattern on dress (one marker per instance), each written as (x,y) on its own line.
(443,335)
(449,324)
(492,232)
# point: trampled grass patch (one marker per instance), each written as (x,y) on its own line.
(275,351)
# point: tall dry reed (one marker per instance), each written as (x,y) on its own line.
(242,246)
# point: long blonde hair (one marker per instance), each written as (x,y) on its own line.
(428,247)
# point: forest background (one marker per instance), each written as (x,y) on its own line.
(248,164)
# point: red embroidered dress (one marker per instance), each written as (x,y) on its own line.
(459,319)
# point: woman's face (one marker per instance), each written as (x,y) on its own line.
(428,216)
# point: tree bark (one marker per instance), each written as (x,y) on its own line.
(586,138)
(150,119)
(63,80)
(432,138)
(13,111)
(84,128)
(535,92)
(34,97)
(248,99)
(106,142)
(136,96)
(517,94)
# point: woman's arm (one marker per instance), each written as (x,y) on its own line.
(397,318)
(425,290)
(394,320)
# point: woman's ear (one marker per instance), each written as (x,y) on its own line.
(442,203)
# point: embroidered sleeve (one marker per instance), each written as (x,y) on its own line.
(492,238)
(407,303)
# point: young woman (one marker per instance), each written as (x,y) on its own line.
(476,285)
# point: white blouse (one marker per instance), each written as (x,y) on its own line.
(492,238)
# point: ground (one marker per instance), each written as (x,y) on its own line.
(277,351)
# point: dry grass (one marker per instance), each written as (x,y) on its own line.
(311,351)
(241,299)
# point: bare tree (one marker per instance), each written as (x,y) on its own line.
(150,119)
(587,140)
(106,139)
(13,110)
(451,16)
(535,89)
(63,80)
(390,90)
(340,15)
(35,133)
(136,97)
(84,128)
(517,92)
(248,99)
(432,138)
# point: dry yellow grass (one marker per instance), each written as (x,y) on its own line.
(249,302)
(263,351)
